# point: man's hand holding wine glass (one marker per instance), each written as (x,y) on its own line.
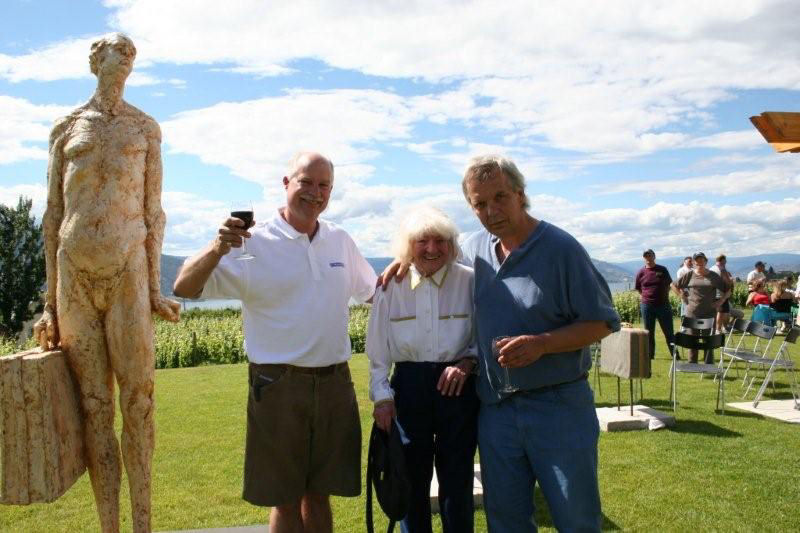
(231,235)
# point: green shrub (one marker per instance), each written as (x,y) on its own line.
(11,345)
(627,305)
(202,337)
(357,328)
(211,337)
(739,295)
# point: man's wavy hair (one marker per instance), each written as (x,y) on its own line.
(480,168)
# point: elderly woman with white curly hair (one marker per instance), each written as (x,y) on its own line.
(423,327)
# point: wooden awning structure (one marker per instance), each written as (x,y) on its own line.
(781,130)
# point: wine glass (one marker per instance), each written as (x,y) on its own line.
(507,387)
(243,211)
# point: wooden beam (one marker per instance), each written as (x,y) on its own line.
(780,129)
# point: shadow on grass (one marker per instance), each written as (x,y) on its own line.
(703,427)
(543,518)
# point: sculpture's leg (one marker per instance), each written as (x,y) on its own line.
(83,339)
(129,332)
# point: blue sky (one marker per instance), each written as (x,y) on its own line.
(628,119)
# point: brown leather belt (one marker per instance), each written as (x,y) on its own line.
(313,370)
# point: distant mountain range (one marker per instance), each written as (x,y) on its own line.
(612,272)
(738,266)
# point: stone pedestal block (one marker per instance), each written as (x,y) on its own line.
(41,434)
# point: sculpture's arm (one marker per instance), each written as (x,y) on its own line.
(154,220)
(46,329)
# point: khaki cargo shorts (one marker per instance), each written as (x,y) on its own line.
(303,434)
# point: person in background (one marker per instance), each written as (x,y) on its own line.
(699,288)
(756,274)
(423,327)
(759,294)
(781,300)
(685,267)
(652,283)
(723,316)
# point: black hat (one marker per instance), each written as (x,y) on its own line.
(649,251)
(386,470)
(699,254)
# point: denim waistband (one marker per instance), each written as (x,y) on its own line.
(554,386)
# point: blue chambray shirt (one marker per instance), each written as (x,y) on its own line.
(546,283)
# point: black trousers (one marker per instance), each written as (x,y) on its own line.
(443,431)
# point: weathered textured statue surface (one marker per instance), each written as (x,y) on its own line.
(103,231)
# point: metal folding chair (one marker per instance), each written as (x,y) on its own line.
(761,332)
(695,342)
(703,326)
(595,350)
(739,327)
(781,361)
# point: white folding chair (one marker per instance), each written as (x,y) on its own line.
(696,342)
(739,327)
(761,332)
(781,361)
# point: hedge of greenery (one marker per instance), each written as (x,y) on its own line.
(627,302)
(208,337)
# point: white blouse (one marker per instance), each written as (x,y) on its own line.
(420,319)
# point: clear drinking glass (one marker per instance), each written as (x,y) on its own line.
(243,211)
(507,387)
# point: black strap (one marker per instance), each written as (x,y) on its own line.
(370,469)
(370,528)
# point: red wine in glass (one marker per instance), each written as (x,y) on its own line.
(245,214)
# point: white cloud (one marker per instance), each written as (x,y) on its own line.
(63,60)
(677,229)
(596,78)
(9,196)
(24,128)
(729,140)
(192,221)
(256,138)
(614,80)
(774,174)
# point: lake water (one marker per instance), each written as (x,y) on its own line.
(620,286)
(236,304)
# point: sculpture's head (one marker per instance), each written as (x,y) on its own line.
(112,55)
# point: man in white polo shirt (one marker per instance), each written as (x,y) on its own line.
(303,430)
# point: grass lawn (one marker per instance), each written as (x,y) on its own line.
(737,472)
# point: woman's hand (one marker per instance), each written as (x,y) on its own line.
(452,379)
(383,412)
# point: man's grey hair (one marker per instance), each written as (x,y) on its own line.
(480,168)
(421,221)
(298,161)
(102,43)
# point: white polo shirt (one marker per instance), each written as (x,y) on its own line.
(420,320)
(295,293)
(755,275)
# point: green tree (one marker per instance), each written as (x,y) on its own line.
(22,267)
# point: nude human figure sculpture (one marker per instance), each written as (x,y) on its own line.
(103,230)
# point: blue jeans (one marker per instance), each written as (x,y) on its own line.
(443,430)
(662,313)
(547,435)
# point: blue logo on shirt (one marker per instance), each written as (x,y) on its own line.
(337,264)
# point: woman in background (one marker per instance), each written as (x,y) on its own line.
(702,287)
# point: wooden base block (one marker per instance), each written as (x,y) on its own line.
(41,432)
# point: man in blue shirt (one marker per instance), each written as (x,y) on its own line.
(536,286)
